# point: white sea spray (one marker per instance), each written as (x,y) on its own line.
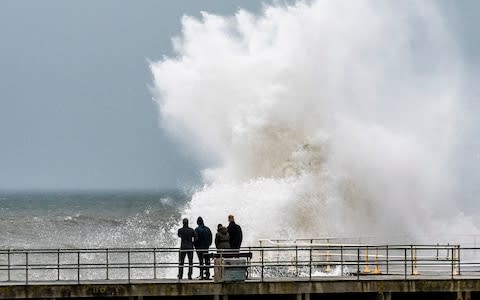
(324,118)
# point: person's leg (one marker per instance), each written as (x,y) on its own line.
(200,261)
(181,260)
(190,264)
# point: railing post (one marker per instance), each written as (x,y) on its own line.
(341,260)
(262,261)
(453,262)
(58,264)
(278,255)
(358,263)
(413,256)
(310,264)
(296,260)
(249,264)
(328,267)
(387,258)
(405,260)
(458,261)
(78,267)
(107,264)
(128,265)
(8,262)
(154,263)
(376,269)
(26,267)
(366,269)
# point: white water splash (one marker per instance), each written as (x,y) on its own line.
(329,118)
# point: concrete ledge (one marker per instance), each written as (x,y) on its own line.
(284,287)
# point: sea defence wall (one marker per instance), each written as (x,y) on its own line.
(462,289)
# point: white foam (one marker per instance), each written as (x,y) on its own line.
(327,118)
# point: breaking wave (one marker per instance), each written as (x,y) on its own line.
(322,118)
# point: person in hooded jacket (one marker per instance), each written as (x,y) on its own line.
(235,232)
(188,236)
(222,238)
(203,242)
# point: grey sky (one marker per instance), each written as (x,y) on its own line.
(75,109)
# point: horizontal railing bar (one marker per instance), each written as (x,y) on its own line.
(253,248)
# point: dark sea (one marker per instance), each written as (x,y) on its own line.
(90,219)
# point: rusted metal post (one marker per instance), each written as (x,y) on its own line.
(366,268)
(413,256)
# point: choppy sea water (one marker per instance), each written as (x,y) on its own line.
(116,219)
(89,219)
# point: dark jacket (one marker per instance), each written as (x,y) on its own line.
(222,239)
(204,237)
(188,236)
(235,232)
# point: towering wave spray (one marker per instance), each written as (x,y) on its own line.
(325,118)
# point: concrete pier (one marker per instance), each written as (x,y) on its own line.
(454,289)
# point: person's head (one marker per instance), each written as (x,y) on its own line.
(219,226)
(199,221)
(231,218)
(185,222)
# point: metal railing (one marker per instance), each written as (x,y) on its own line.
(304,262)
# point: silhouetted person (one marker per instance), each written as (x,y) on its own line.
(203,242)
(222,238)
(188,236)
(235,232)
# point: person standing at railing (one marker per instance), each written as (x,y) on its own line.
(222,238)
(235,232)
(203,242)
(188,236)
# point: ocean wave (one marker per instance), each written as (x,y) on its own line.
(316,127)
(81,224)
